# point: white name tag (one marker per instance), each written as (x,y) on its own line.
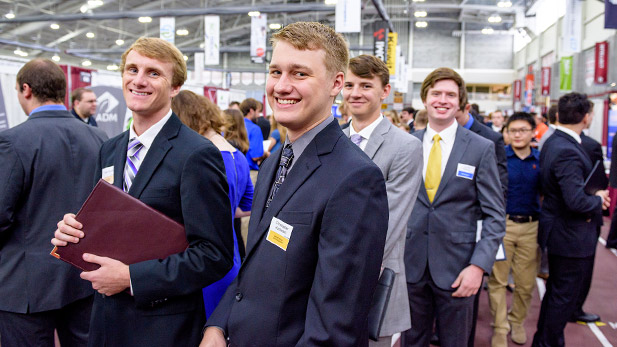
(465,171)
(279,233)
(108,174)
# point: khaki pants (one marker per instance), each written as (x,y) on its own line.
(520,244)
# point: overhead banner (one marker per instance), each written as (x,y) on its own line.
(610,14)
(199,66)
(380,40)
(212,27)
(517,90)
(258,38)
(4,121)
(565,74)
(572,26)
(529,84)
(391,54)
(168,29)
(112,115)
(348,16)
(546,81)
(210,93)
(601,66)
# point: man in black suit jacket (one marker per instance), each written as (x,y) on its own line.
(566,225)
(84,105)
(179,173)
(316,235)
(46,165)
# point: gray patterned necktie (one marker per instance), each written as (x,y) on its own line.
(286,158)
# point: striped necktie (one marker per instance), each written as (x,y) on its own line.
(287,156)
(133,161)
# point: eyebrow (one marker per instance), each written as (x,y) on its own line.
(292,67)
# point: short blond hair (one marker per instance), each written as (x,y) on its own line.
(159,49)
(313,36)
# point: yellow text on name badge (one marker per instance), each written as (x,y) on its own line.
(278,239)
(279,233)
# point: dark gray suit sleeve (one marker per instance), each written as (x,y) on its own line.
(568,169)
(493,210)
(502,163)
(11,184)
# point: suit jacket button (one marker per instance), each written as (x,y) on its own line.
(238,296)
(588,220)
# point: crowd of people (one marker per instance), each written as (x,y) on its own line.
(292,221)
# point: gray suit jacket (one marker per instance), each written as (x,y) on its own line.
(442,234)
(399,156)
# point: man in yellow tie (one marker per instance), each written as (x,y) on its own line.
(444,261)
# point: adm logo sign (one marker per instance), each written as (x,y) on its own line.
(111,110)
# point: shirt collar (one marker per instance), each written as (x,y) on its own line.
(367,131)
(469,122)
(447,135)
(148,136)
(301,142)
(570,132)
(48,108)
(534,153)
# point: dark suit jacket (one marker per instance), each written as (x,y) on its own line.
(46,169)
(594,150)
(182,176)
(91,120)
(612,177)
(566,218)
(318,291)
(500,151)
(264,126)
(442,234)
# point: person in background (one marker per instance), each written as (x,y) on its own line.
(394,119)
(541,126)
(421,120)
(250,107)
(84,105)
(202,115)
(521,240)
(46,168)
(278,135)
(235,131)
(552,125)
(407,117)
(506,136)
(234,105)
(262,122)
(345,115)
(497,120)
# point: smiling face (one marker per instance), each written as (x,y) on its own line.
(300,90)
(146,85)
(442,103)
(363,96)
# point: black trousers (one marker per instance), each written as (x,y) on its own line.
(454,315)
(585,285)
(611,240)
(563,289)
(37,329)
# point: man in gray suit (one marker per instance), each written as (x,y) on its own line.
(399,156)
(444,264)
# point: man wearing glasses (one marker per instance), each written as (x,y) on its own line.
(520,242)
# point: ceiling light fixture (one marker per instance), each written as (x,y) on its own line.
(487,31)
(504,4)
(182,32)
(330,2)
(86,63)
(417,0)
(420,14)
(275,26)
(112,67)
(90,35)
(186,58)
(495,18)
(421,24)
(144,19)
(254,13)
(10,15)
(119,42)
(95,3)
(55,58)
(54,26)
(20,53)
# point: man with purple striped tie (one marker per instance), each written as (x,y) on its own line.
(179,173)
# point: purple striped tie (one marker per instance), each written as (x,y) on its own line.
(133,161)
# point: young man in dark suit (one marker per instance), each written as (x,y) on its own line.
(46,168)
(179,173)
(319,218)
(567,227)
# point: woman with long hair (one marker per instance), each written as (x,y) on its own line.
(203,116)
(235,130)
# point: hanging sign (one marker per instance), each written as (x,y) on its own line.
(601,66)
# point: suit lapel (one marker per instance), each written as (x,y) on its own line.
(120,160)
(155,155)
(377,137)
(458,149)
(422,195)
(262,190)
(586,159)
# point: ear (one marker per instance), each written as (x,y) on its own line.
(338,83)
(27,91)
(467,108)
(386,91)
(175,90)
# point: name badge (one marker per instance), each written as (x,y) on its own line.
(465,171)
(279,233)
(108,174)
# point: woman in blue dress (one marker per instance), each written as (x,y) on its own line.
(203,116)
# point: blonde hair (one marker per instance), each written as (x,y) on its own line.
(282,130)
(162,50)
(314,36)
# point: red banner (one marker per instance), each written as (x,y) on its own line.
(546,81)
(529,83)
(517,90)
(210,93)
(601,68)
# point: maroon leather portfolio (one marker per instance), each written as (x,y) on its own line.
(118,226)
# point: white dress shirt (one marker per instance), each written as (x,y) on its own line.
(570,132)
(448,135)
(366,132)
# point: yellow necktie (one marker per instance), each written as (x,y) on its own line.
(433,169)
